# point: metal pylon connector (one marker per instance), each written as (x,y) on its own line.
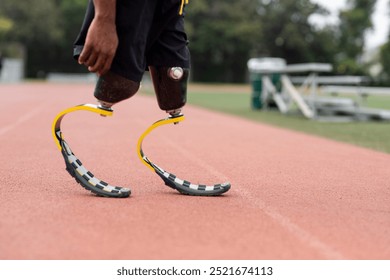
(174,114)
(105,106)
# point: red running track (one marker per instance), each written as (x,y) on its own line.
(293,196)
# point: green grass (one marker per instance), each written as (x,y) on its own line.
(236,100)
(373,135)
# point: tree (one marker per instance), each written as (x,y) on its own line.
(5,25)
(385,61)
(384,57)
(46,29)
(288,33)
(72,15)
(32,20)
(355,21)
(35,26)
(222,35)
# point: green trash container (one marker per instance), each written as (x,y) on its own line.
(257,88)
(258,67)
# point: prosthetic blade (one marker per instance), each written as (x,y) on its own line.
(183,186)
(74,166)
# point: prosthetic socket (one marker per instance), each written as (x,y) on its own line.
(170,86)
(112,88)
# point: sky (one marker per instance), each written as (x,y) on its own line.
(380,20)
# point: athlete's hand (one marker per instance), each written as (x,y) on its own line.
(100,46)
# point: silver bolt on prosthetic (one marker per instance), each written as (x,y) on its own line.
(175,73)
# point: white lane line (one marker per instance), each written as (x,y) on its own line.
(304,236)
(22,119)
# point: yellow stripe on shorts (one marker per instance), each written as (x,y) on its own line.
(183,3)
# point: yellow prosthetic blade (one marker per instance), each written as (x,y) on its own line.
(74,166)
(56,127)
(141,155)
(183,186)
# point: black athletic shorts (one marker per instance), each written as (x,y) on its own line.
(150,32)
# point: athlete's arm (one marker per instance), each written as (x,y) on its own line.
(102,40)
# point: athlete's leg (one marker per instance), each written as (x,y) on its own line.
(169,62)
(168,56)
(133,20)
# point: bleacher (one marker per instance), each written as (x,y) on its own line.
(321,98)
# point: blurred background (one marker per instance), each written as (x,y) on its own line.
(36,36)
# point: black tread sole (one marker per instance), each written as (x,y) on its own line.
(84,183)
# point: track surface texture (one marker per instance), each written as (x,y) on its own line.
(293,196)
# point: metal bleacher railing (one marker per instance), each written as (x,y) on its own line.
(322,98)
